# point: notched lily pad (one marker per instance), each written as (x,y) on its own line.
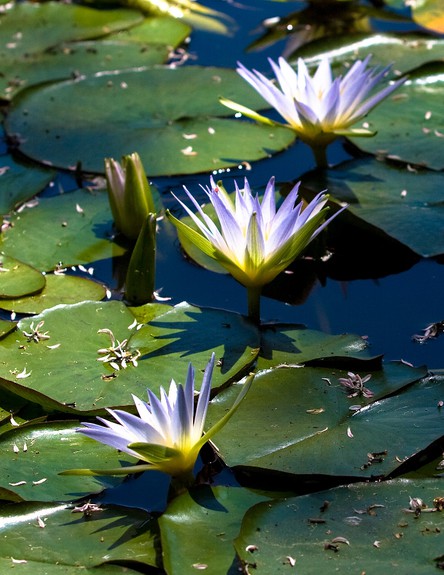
(34,454)
(18,279)
(63,359)
(311,429)
(20,182)
(350,529)
(403,202)
(72,228)
(115,534)
(185,132)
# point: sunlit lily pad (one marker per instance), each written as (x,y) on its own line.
(18,279)
(410,122)
(59,289)
(173,131)
(33,455)
(6,327)
(404,203)
(298,420)
(352,529)
(213,514)
(288,345)
(30,27)
(76,59)
(116,535)
(403,53)
(20,182)
(72,228)
(53,358)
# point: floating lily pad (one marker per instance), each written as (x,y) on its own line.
(29,27)
(33,455)
(410,122)
(213,514)
(59,289)
(6,327)
(404,203)
(115,535)
(58,366)
(79,58)
(18,279)
(404,52)
(289,345)
(352,529)
(114,114)
(72,228)
(20,182)
(296,420)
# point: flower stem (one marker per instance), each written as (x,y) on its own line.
(180,483)
(320,154)
(254,304)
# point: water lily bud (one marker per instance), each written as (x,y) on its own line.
(130,194)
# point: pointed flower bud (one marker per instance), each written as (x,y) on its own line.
(129,193)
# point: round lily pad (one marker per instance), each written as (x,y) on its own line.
(59,289)
(18,279)
(174,131)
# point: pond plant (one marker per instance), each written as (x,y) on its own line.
(277,446)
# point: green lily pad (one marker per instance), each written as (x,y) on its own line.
(430,14)
(59,289)
(72,228)
(363,528)
(78,58)
(288,345)
(173,132)
(213,515)
(410,122)
(6,327)
(156,30)
(58,366)
(114,535)
(404,52)
(18,279)
(405,204)
(296,420)
(28,27)
(34,454)
(20,182)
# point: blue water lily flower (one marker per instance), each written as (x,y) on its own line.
(254,240)
(167,433)
(318,108)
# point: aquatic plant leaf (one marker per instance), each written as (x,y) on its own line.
(410,122)
(404,52)
(403,202)
(358,528)
(73,228)
(64,370)
(307,429)
(115,535)
(213,515)
(59,289)
(6,327)
(113,115)
(287,344)
(19,182)
(18,279)
(76,59)
(28,27)
(34,454)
